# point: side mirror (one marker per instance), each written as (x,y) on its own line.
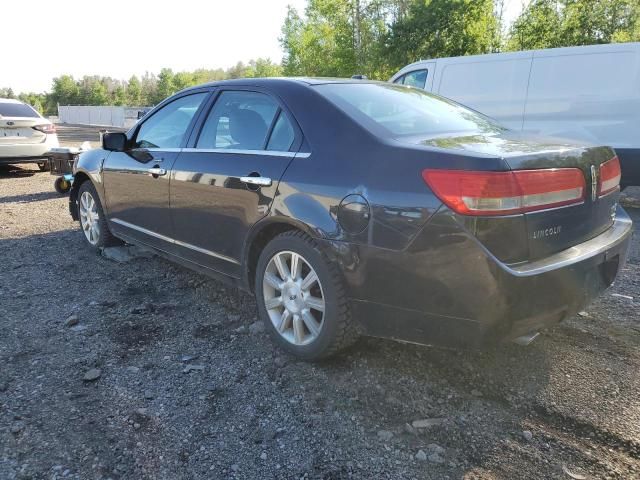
(114,141)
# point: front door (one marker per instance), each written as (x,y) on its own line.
(226,181)
(136,182)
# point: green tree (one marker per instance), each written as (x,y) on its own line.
(165,87)
(337,38)
(65,91)
(587,22)
(538,26)
(443,28)
(134,92)
(7,92)
(563,23)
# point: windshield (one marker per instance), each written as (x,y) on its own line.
(17,110)
(404,111)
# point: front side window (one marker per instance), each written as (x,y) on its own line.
(239,120)
(166,127)
(395,110)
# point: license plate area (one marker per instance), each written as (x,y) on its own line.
(10,132)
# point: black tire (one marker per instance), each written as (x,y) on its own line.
(337,331)
(44,166)
(105,238)
(61,185)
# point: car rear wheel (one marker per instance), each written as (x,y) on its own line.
(92,220)
(301,298)
(44,166)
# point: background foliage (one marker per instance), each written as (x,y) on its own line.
(341,38)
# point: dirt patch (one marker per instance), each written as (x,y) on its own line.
(188,390)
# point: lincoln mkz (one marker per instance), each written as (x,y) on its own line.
(351,207)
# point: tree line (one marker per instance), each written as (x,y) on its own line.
(375,38)
(146,90)
(378,37)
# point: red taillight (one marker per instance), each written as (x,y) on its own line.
(609,176)
(46,128)
(505,193)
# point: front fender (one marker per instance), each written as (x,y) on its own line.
(88,167)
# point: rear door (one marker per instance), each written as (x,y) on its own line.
(226,180)
(136,182)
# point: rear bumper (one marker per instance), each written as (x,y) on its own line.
(449,290)
(27,152)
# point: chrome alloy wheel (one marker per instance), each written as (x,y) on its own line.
(89,218)
(293,298)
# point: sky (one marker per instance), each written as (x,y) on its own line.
(120,38)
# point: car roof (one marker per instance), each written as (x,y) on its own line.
(9,100)
(281,81)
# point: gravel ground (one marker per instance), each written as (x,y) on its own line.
(145,370)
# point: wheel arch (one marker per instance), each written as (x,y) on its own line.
(261,234)
(78,179)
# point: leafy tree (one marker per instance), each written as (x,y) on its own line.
(337,37)
(587,22)
(7,93)
(560,23)
(134,92)
(65,90)
(537,27)
(165,87)
(443,28)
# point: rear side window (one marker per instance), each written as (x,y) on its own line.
(395,110)
(417,78)
(17,110)
(240,120)
(166,127)
(282,135)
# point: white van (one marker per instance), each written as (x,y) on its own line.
(589,93)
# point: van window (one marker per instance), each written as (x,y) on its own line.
(395,110)
(417,78)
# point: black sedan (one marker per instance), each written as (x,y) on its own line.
(352,207)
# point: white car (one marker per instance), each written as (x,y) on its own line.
(587,93)
(25,136)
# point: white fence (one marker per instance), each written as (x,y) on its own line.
(106,116)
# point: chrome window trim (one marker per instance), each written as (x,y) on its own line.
(267,153)
(174,241)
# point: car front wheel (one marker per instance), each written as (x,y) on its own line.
(92,219)
(302,299)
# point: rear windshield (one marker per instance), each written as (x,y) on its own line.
(17,110)
(400,111)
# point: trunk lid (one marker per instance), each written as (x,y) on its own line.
(19,130)
(555,229)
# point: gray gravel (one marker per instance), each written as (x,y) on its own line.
(163,374)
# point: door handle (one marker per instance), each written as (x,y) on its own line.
(157,171)
(260,181)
